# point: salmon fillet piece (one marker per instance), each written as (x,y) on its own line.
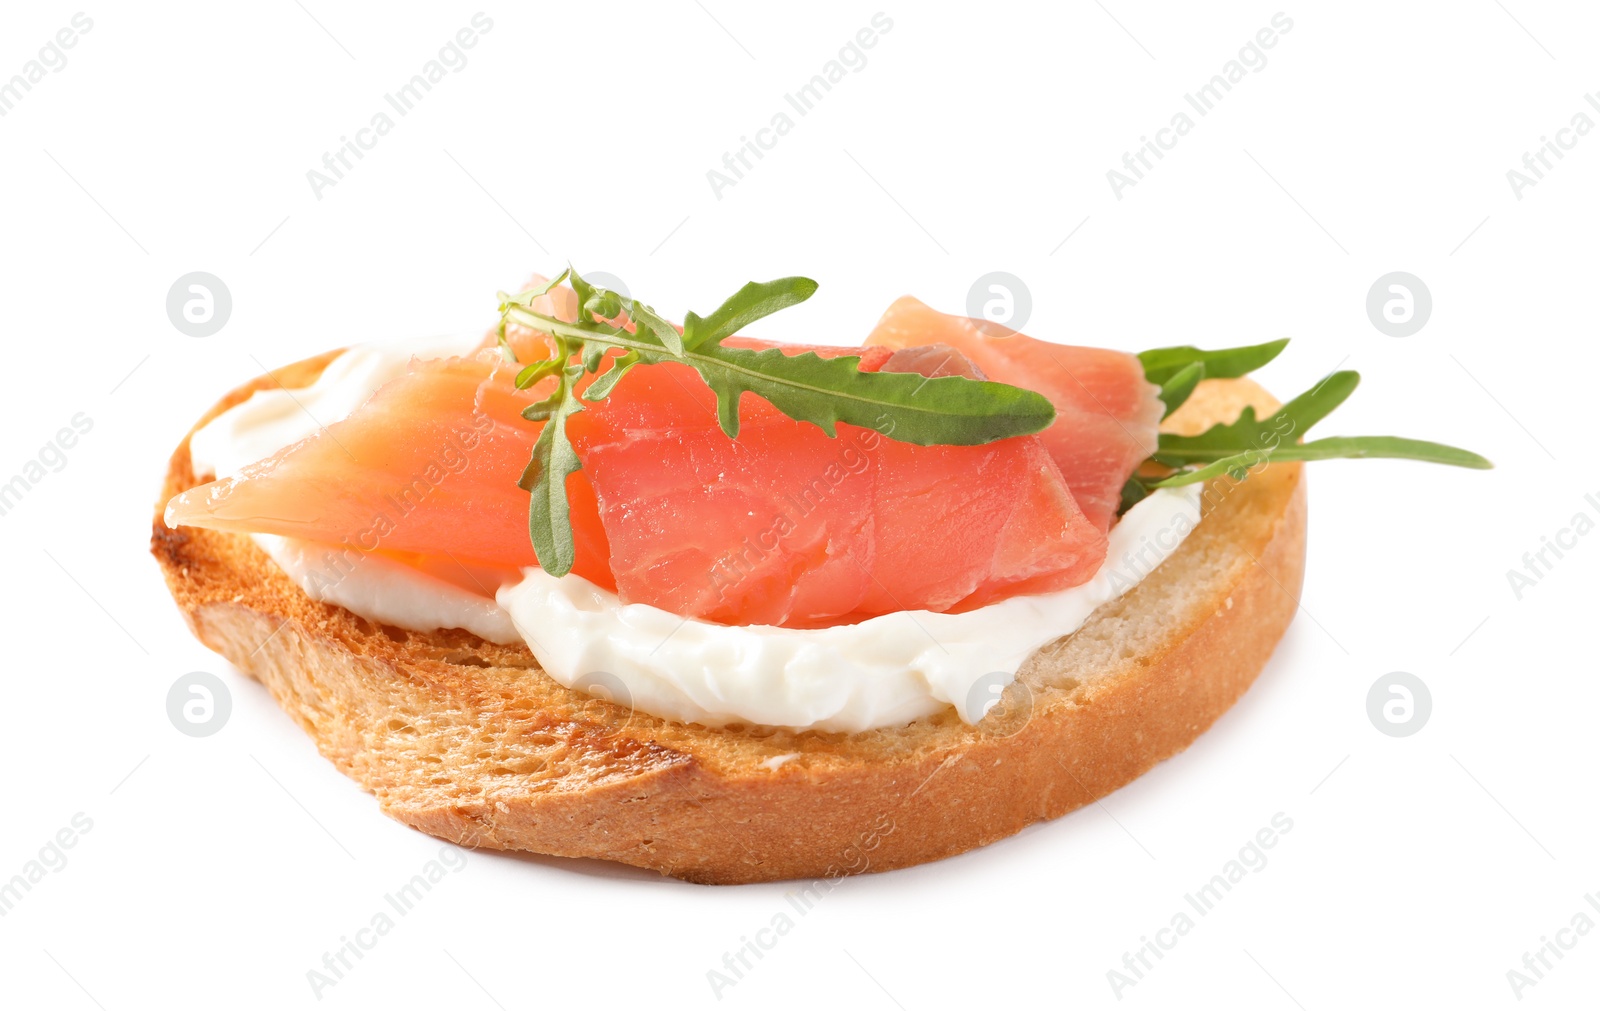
(1106,412)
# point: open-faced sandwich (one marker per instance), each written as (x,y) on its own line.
(599,585)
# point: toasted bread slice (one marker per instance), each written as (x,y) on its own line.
(472,742)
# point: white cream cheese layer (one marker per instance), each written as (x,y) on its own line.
(386,591)
(882,672)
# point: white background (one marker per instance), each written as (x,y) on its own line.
(977,138)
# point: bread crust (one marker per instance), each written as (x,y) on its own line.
(472,742)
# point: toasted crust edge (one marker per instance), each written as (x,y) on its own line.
(701,804)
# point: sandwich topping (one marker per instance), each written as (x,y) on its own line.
(720,529)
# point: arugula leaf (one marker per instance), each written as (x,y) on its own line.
(949,410)
(601,388)
(593,352)
(1237,448)
(1161,364)
(1289,424)
(750,303)
(524,298)
(1177,389)
(549,512)
(1361,447)
(527,295)
(606,304)
(665,332)
(531,374)
(907,406)
(1136,490)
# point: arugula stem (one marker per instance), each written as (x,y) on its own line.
(556,327)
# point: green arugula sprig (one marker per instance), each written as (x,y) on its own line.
(906,406)
(1237,448)
(1161,364)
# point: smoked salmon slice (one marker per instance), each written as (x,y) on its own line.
(811,530)
(781,526)
(1107,414)
(420,468)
